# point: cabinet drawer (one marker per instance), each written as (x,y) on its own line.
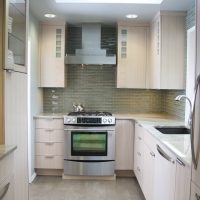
(139,132)
(7,188)
(150,141)
(49,135)
(49,162)
(50,123)
(42,149)
(6,166)
(138,171)
(195,192)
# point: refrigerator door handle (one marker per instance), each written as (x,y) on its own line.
(195,157)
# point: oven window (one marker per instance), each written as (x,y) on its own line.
(89,143)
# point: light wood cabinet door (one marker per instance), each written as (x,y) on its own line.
(52,55)
(183,179)
(148,172)
(165,173)
(132,56)
(167,51)
(124,145)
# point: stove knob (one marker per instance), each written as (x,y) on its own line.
(68,120)
(110,120)
(104,120)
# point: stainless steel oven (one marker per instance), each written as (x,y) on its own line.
(89,146)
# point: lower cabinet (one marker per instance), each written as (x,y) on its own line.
(124,144)
(7,177)
(49,143)
(161,175)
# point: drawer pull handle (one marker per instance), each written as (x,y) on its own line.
(180,162)
(49,130)
(197,196)
(49,143)
(49,156)
(152,154)
(138,153)
(4,190)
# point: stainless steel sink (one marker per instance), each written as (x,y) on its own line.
(173,130)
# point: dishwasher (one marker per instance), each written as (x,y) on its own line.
(165,174)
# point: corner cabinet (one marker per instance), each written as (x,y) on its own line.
(132,55)
(167,51)
(52,50)
(15,35)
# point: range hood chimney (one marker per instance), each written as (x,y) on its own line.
(91,52)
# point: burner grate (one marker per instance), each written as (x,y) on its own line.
(90,113)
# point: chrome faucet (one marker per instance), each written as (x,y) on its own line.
(178,98)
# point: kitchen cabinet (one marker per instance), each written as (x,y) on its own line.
(165,176)
(139,153)
(144,160)
(195,192)
(6,177)
(15,35)
(49,143)
(52,50)
(183,178)
(124,145)
(133,41)
(167,51)
(16,128)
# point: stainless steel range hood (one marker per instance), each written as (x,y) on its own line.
(91,52)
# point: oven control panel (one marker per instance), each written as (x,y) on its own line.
(101,120)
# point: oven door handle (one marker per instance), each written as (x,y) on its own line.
(99,130)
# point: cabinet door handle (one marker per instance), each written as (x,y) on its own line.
(180,162)
(138,169)
(197,196)
(164,155)
(139,138)
(138,153)
(4,190)
(152,153)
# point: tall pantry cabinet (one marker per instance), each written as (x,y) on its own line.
(15,90)
(167,51)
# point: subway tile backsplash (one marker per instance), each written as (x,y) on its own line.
(95,88)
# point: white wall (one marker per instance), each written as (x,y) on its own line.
(35,93)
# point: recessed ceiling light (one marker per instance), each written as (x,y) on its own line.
(112,1)
(48,15)
(131,16)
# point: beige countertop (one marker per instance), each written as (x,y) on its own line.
(177,144)
(6,149)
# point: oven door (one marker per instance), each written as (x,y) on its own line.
(89,144)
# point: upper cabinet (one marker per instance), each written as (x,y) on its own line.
(52,52)
(15,35)
(132,55)
(167,51)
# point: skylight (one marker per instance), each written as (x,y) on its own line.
(112,1)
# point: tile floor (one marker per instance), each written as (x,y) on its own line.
(54,188)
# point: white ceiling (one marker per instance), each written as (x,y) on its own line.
(104,13)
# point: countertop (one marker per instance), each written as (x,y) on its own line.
(177,144)
(6,149)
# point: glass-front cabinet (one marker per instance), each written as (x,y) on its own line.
(15,36)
